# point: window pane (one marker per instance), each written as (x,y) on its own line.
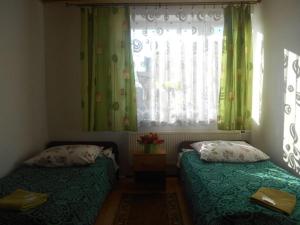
(177,59)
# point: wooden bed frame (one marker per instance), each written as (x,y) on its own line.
(185,144)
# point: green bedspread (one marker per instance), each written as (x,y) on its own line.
(219,192)
(75,193)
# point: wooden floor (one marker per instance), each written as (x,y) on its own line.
(111,204)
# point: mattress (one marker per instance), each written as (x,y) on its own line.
(75,193)
(218,193)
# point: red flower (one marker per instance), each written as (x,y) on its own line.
(151,138)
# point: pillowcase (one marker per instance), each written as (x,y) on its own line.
(197,145)
(231,151)
(83,154)
(204,144)
(66,155)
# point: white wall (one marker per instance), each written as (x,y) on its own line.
(258,74)
(23,128)
(281,31)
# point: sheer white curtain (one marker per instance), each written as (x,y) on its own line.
(291,142)
(177,60)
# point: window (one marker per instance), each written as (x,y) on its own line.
(177,60)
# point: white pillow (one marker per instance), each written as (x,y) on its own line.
(197,145)
(66,155)
(231,151)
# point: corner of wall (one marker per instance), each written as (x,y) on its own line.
(23,122)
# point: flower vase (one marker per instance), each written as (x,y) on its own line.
(149,148)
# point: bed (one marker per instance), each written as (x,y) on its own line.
(218,193)
(75,193)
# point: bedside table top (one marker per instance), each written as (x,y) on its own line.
(157,152)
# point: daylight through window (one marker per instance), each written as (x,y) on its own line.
(177,60)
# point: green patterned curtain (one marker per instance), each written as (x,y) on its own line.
(108,86)
(235,100)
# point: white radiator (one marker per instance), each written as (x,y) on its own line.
(172,139)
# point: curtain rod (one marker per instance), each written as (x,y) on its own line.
(160,3)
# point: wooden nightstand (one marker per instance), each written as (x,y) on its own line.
(150,167)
